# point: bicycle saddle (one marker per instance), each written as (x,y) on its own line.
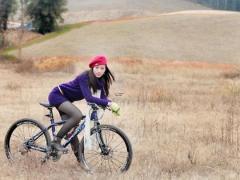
(46,105)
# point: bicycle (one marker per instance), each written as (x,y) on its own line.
(111,149)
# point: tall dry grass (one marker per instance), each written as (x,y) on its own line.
(183,122)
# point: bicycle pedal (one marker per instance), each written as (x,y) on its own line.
(65,151)
(44,160)
(56,157)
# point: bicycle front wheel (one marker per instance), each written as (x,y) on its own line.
(116,157)
(26,139)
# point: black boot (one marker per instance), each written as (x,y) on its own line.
(75,147)
(77,157)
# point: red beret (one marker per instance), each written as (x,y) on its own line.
(98,60)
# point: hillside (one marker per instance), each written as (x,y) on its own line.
(186,35)
(113,9)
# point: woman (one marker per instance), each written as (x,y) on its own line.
(97,79)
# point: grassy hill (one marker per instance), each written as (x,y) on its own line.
(113,9)
(154,5)
(187,35)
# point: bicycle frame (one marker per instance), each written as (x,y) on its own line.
(58,123)
(52,127)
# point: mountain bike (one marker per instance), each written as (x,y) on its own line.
(111,150)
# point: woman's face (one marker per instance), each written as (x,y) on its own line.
(99,70)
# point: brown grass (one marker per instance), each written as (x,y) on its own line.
(12,37)
(232,74)
(47,64)
(183,122)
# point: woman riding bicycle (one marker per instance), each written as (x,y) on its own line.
(96,80)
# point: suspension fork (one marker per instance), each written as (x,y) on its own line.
(99,138)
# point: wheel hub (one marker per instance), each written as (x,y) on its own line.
(108,154)
(23,149)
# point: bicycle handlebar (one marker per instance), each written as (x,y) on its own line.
(96,106)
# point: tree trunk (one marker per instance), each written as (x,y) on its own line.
(21,33)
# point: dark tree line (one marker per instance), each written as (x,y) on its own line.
(7,7)
(233,5)
(44,14)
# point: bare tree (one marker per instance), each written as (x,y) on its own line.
(21,32)
(23,18)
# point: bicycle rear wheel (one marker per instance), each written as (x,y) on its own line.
(118,156)
(26,139)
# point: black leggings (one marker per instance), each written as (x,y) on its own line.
(73,116)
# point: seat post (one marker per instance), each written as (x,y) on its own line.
(50,115)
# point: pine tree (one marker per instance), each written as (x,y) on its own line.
(45,14)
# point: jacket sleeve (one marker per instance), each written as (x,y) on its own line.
(86,92)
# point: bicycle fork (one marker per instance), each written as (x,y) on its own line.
(104,148)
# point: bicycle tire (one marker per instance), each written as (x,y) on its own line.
(128,147)
(17,131)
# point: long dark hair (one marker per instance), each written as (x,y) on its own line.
(107,79)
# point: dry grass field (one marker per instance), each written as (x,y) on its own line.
(181,117)
(180,75)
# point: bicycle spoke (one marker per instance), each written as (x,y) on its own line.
(32,131)
(112,137)
(105,162)
(22,128)
(116,160)
(94,153)
(97,162)
(120,149)
(13,154)
(117,145)
(115,164)
(28,131)
(121,152)
(17,135)
(17,141)
(109,166)
(93,160)
(101,165)
(119,155)
(91,157)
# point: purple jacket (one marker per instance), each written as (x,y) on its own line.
(77,89)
